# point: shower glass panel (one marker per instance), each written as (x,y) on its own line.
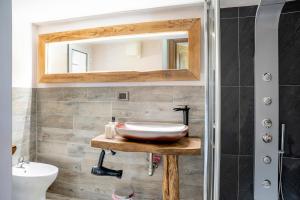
(212,105)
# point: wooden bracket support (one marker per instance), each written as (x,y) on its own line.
(171,178)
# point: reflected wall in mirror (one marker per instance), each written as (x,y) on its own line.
(150,51)
(178,50)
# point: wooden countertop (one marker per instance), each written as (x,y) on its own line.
(185,146)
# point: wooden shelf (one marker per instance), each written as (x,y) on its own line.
(185,146)
(171,151)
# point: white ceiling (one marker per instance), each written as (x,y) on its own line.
(238,3)
(52,10)
(37,11)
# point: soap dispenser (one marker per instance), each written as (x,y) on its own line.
(110,129)
(113,124)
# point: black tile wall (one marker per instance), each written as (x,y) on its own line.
(246,48)
(229,49)
(247,11)
(246,121)
(237,73)
(229,177)
(291,179)
(245,178)
(289,114)
(229,13)
(230,120)
(291,7)
(289,96)
(237,37)
(289,49)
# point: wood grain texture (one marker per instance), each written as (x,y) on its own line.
(185,146)
(165,184)
(41,59)
(125,29)
(172,46)
(13,149)
(192,26)
(171,178)
(129,76)
(194,48)
(172,54)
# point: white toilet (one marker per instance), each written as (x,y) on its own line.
(31,180)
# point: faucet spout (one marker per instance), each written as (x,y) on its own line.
(21,162)
(100,170)
(185,110)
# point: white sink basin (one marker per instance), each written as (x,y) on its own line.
(150,131)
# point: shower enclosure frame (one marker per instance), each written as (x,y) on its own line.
(212,137)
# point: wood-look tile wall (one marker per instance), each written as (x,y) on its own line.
(67,119)
(24,123)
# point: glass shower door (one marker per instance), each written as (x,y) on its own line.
(212,136)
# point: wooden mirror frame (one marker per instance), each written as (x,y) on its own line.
(192,26)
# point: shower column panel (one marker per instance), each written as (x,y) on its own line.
(266,100)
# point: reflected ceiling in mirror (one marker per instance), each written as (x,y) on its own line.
(142,52)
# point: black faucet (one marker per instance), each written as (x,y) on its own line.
(185,109)
(99,170)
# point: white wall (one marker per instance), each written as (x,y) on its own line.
(238,3)
(57,58)
(24,53)
(30,15)
(48,12)
(87,48)
(6,101)
(113,57)
(53,10)
(26,13)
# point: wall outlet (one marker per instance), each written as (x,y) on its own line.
(123,96)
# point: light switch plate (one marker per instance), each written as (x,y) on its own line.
(123,96)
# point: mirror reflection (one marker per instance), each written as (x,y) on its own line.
(143,52)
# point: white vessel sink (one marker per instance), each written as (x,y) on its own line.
(150,131)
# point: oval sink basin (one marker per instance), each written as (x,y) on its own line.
(150,131)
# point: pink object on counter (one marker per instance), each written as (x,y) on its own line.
(156,158)
(115,197)
(123,192)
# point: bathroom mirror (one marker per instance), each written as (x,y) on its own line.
(151,51)
(135,53)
